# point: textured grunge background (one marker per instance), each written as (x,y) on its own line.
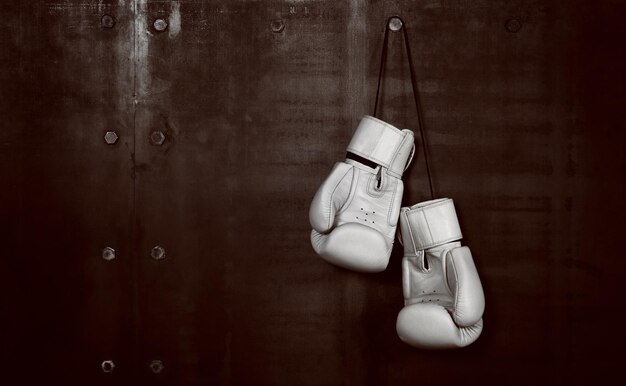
(524,110)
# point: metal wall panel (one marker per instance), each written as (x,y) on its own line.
(66,194)
(255,101)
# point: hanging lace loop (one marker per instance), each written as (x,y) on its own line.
(383,60)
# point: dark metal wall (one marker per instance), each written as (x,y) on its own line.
(255,101)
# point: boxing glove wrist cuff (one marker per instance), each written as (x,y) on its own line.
(430,223)
(383,144)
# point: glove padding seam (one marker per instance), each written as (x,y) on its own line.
(456,289)
(331,218)
(395,156)
(393,196)
(410,232)
(430,232)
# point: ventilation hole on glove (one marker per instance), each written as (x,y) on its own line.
(373,222)
(422,291)
(361,208)
(365,219)
(357,218)
(367,214)
(437,299)
(434,290)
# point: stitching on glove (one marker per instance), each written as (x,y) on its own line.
(432,239)
(406,279)
(433,205)
(382,123)
(408,163)
(457,281)
(411,233)
(393,199)
(397,153)
(331,217)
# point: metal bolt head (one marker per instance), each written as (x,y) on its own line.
(107,21)
(158,253)
(157,137)
(160,25)
(277,26)
(395,24)
(107,366)
(108,253)
(156,366)
(110,137)
(513,25)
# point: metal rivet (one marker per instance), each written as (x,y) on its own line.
(277,26)
(156,366)
(107,366)
(110,137)
(513,25)
(158,253)
(395,24)
(107,21)
(157,138)
(108,253)
(160,25)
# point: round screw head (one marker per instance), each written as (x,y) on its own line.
(158,253)
(108,253)
(277,26)
(395,24)
(160,25)
(513,25)
(110,137)
(107,21)
(156,366)
(107,366)
(157,138)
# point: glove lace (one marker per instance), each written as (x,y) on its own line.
(383,59)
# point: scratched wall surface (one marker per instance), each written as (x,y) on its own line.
(522,108)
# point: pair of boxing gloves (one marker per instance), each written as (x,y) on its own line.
(354,216)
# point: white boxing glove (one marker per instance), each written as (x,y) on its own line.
(355,212)
(443,297)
